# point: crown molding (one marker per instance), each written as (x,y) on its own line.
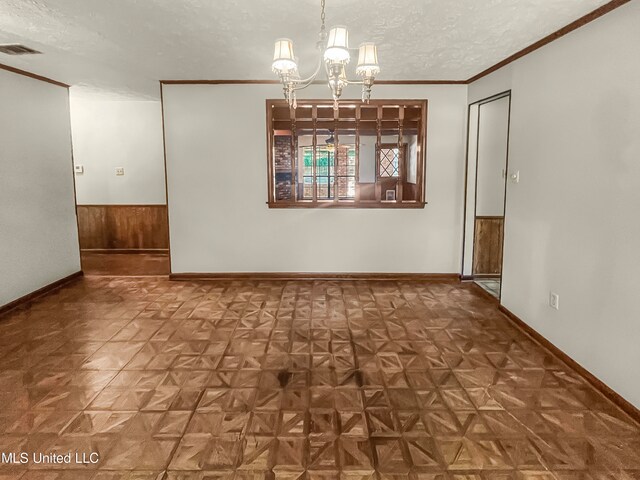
(219,82)
(317,82)
(32,75)
(580,22)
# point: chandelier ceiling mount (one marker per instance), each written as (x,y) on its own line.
(334,55)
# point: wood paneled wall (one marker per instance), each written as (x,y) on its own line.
(487,251)
(123,227)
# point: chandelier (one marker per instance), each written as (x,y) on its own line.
(334,55)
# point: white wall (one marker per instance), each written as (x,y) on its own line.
(367,160)
(412,158)
(217,181)
(38,232)
(492,157)
(117,133)
(572,222)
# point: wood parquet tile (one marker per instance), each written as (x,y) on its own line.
(295,380)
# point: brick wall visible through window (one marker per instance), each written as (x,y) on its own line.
(335,168)
(282,161)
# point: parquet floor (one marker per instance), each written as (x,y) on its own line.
(295,380)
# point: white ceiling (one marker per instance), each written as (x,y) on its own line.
(125,46)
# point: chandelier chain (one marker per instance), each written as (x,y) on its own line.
(334,54)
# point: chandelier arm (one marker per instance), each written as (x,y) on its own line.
(301,86)
(312,77)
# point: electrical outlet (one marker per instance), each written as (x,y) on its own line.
(78,169)
(554,300)
(119,170)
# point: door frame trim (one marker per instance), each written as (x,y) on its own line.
(478,103)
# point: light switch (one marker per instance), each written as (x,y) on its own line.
(78,169)
(119,170)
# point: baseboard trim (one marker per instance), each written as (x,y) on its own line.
(159,251)
(594,381)
(30,297)
(419,277)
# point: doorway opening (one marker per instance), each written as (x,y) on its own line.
(485,194)
(120,185)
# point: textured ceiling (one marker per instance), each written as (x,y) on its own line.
(125,46)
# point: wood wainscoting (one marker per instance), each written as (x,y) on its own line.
(487,248)
(123,228)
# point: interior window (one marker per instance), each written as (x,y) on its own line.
(360,155)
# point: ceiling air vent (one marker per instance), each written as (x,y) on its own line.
(17,49)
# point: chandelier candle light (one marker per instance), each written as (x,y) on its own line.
(335,56)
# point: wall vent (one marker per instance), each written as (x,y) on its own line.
(17,49)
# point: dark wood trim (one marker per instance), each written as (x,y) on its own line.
(30,297)
(219,82)
(317,82)
(489,217)
(346,204)
(594,381)
(280,102)
(418,277)
(32,75)
(492,98)
(580,22)
(159,251)
(125,205)
(420,82)
(166,176)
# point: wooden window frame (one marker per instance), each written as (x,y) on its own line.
(315,176)
(336,202)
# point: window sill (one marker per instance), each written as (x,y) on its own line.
(345,204)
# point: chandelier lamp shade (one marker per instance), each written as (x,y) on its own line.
(337,45)
(368,60)
(334,56)
(283,59)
